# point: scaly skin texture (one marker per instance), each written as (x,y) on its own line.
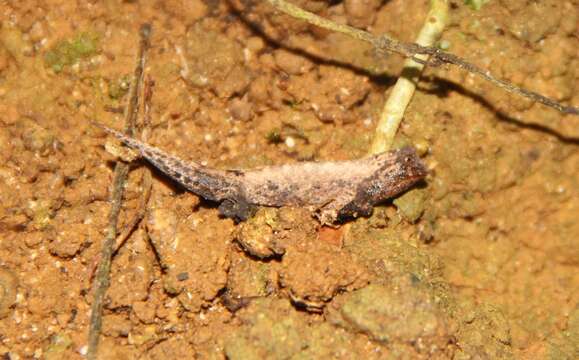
(335,190)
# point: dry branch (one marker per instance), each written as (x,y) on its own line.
(102,278)
(412,50)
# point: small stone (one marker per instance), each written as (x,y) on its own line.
(17,221)
(291,63)
(146,335)
(191,10)
(63,318)
(133,283)
(361,13)
(248,279)
(401,312)
(59,344)
(215,62)
(411,204)
(183,276)
(145,311)
(256,235)
(8,291)
(255,44)
(162,312)
(259,90)
(314,272)
(33,239)
(41,211)
(69,240)
(240,109)
(37,139)
(116,325)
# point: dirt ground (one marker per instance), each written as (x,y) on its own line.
(479,262)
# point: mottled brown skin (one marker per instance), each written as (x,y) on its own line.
(334,190)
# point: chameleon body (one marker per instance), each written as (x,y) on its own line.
(335,190)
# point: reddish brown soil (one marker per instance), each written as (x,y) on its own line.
(482,262)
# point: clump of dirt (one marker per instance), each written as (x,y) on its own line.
(214,62)
(198,277)
(401,313)
(480,261)
(271,328)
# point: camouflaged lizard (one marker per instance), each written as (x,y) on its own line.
(334,190)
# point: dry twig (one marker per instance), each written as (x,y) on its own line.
(146,177)
(102,281)
(412,50)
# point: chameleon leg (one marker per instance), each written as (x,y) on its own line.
(237,209)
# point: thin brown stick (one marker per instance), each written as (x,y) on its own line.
(146,177)
(147,99)
(102,281)
(146,183)
(437,57)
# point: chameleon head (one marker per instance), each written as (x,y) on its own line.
(411,167)
(397,172)
(401,170)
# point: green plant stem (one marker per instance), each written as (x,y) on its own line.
(402,93)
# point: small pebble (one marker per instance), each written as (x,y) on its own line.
(240,109)
(444,45)
(183,276)
(8,291)
(255,44)
(291,63)
(290,142)
(83,350)
(361,13)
